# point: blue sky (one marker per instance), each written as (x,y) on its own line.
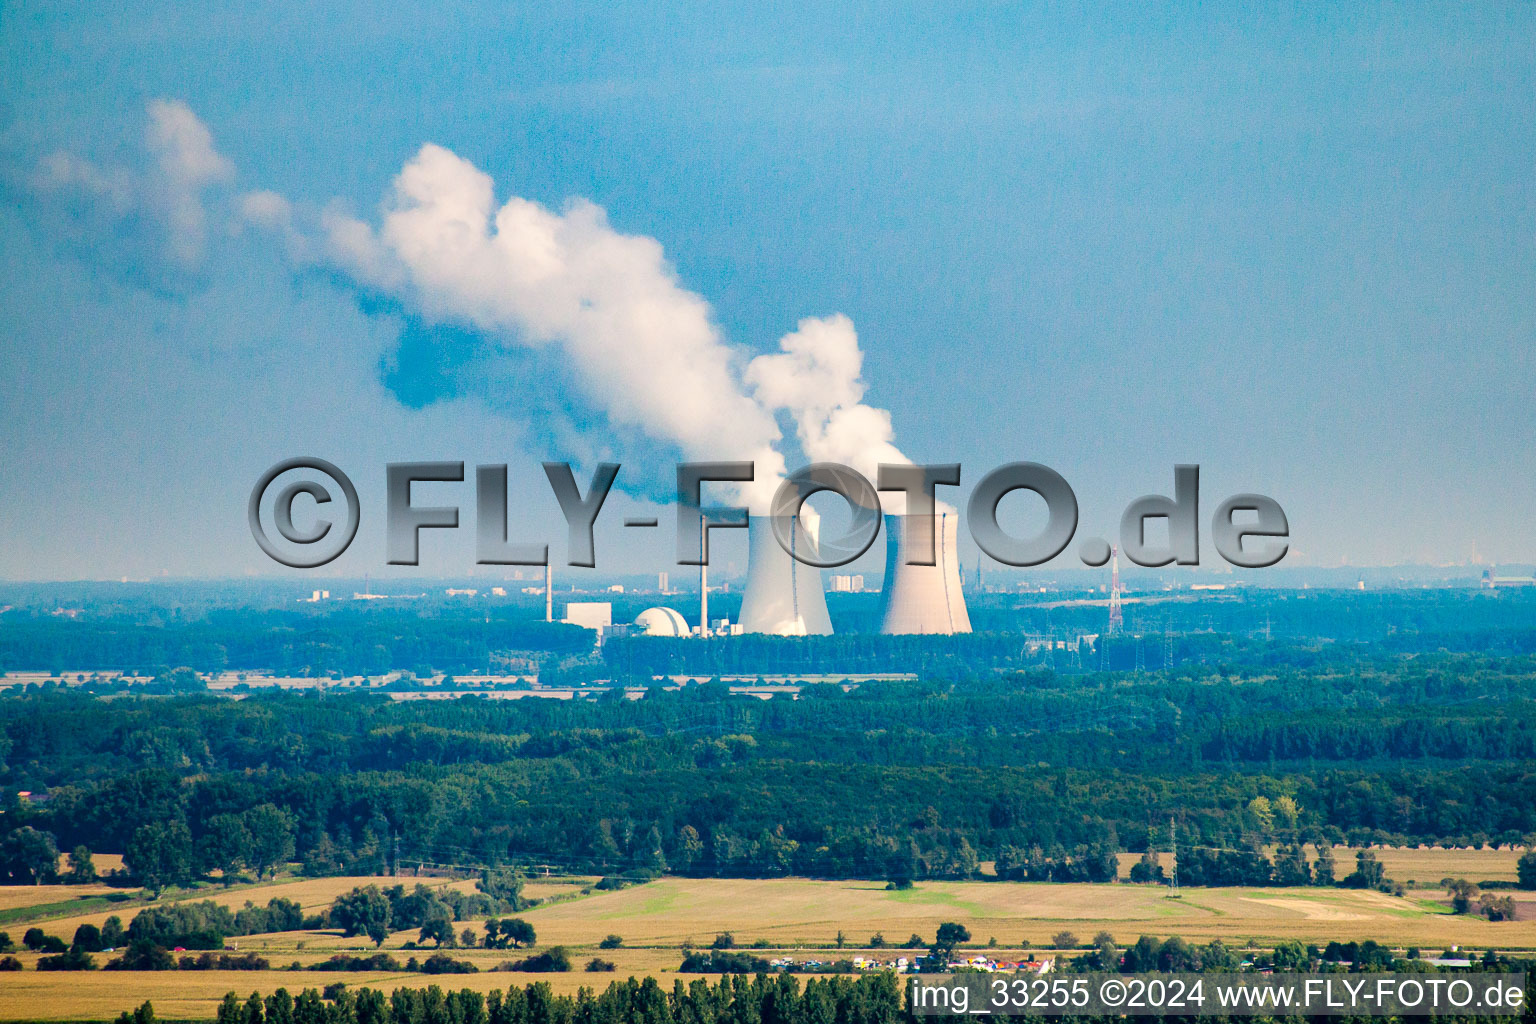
(1295,245)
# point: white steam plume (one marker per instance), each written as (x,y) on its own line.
(643,348)
(816,377)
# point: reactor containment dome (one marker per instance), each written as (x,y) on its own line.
(661,622)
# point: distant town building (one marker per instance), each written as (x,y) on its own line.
(1492,581)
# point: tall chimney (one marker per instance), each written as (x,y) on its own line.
(703,584)
(923,598)
(549,592)
(783,595)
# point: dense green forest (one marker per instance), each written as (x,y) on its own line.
(1042,772)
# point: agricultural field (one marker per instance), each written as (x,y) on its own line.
(1424,866)
(793,913)
(775,916)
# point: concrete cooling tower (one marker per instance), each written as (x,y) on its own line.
(783,595)
(923,598)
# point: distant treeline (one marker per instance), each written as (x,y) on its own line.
(1049,775)
(1163,631)
(345,639)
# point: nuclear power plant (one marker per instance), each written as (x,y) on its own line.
(783,595)
(923,598)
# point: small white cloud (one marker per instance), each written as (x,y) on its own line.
(266,209)
(64,172)
(184,145)
(160,205)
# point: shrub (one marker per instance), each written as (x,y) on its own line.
(224,962)
(442,963)
(551,960)
(722,962)
(88,938)
(1497,908)
(73,960)
(596,965)
(344,962)
(143,955)
(611,942)
(1526,870)
(38,941)
(201,925)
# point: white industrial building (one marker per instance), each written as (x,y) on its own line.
(596,615)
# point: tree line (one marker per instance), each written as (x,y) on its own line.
(1047,775)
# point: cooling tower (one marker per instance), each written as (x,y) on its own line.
(923,598)
(783,595)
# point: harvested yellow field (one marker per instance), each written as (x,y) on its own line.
(313,894)
(195,995)
(14,897)
(1428,866)
(102,862)
(655,920)
(1423,865)
(794,912)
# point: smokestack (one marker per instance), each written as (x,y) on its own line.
(923,598)
(703,585)
(783,594)
(549,592)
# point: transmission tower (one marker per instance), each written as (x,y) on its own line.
(1173,844)
(1116,616)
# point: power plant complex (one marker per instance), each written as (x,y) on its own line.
(784,596)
